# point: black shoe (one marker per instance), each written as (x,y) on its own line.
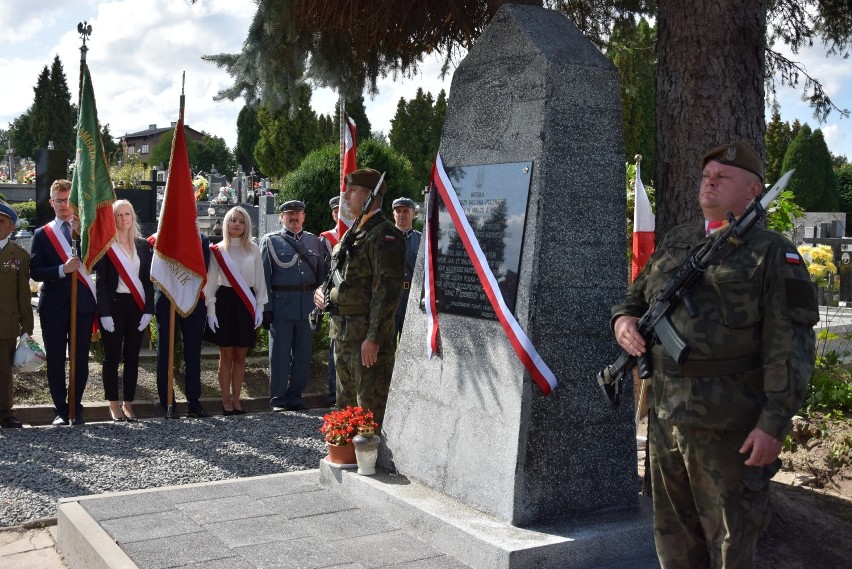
(60,421)
(239,412)
(78,421)
(298,407)
(226,413)
(196,411)
(11,423)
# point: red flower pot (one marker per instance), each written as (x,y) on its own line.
(341,454)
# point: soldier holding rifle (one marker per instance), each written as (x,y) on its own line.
(717,419)
(362,296)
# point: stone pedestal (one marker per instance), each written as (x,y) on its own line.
(471,424)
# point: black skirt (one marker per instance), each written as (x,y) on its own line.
(236,325)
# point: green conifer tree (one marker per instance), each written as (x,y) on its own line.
(286,135)
(778,138)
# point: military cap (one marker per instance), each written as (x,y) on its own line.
(367,178)
(334,202)
(403,202)
(739,154)
(6,210)
(292,205)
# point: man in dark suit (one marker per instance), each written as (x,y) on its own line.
(16,312)
(192,332)
(50,245)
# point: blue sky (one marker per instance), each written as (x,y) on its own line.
(138,51)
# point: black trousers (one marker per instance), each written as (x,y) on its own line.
(122,345)
(192,331)
(55,329)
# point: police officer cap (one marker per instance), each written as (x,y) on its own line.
(365,177)
(334,202)
(292,205)
(739,154)
(403,202)
(6,210)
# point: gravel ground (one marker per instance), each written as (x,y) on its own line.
(40,465)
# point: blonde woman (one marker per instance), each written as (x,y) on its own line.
(125,307)
(235,294)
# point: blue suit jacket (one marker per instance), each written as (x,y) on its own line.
(55,295)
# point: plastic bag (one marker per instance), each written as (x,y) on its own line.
(28,355)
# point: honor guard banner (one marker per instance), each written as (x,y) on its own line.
(643,226)
(92,195)
(349,164)
(538,370)
(178,265)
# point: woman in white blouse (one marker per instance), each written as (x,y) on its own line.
(235,294)
(125,305)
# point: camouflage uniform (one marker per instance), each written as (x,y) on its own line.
(364,300)
(752,354)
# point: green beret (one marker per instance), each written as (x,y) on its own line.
(739,154)
(367,178)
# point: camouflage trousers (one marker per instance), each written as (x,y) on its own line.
(356,384)
(708,506)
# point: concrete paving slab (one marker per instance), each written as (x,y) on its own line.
(237,533)
(177,551)
(303,553)
(305,504)
(389,548)
(150,526)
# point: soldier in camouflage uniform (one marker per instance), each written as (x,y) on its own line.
(364,299)
(717,422)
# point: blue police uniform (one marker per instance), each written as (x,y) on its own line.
(292,275)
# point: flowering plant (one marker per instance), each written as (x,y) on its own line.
(29,176)
(226,195)
(340,426)
(200,184)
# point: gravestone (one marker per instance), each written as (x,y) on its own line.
(471,424)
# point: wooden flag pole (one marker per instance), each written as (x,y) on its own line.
(170,395)
(72,344)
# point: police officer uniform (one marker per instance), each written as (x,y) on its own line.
(294,265)
(751,356)
(329,239)
(412,246)
(364,299)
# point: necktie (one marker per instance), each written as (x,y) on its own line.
(712,226)
(66,231)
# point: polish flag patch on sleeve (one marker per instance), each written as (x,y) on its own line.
(390,238)
(793,258)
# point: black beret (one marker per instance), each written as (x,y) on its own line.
(292,205)
(334,202)
(739,154)
(367,178)
(403,202)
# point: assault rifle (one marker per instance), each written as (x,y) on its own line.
(339,256)
(654,325)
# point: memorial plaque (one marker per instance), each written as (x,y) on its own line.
(494,199)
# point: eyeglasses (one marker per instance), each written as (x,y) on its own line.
(58,201)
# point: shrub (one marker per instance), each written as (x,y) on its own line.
(26,210)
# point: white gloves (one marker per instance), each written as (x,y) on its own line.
(258,316)
(212,322)
(107,323)
(144,321)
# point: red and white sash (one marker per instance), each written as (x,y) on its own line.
(125,270)
(526,352)
(331,236)
(63,249)
(235,277)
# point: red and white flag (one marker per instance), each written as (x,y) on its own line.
(433,347)
(643,228)
(348,165)
(538,370)
(178,265)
